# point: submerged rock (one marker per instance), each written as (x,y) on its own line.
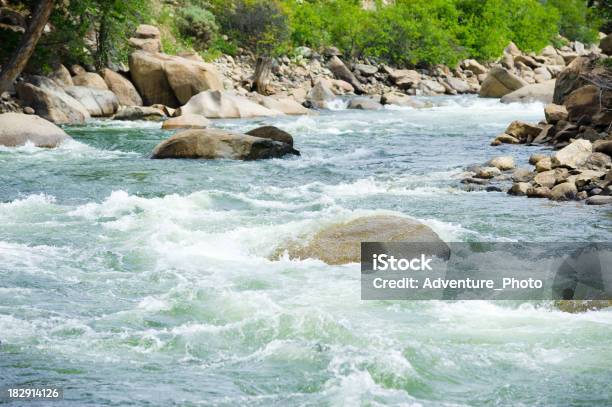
(341,243)
(139,113)
(17,129)
(213,144)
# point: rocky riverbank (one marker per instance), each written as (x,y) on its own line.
(156,86)
(578,126)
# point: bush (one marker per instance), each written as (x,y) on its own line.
(260,25)
(199,25)
(577,20)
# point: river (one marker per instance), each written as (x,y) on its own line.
(131,281)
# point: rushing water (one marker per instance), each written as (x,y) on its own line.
(130,281)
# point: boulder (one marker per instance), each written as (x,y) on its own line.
(574,76)
(565,191)
(366,70)
(139,113)
(535,158)
(51,102)
(544,164)
(98,102)
(524,132)
(431,87)
(400,99)
(586,101)
(458,85)
(272,133)
(538,92)
(17,129)
(538,192)
(522,175)
(214,144)
(341,243)
(404,78)
(573,155)
(122,87)
(61,76)
(340,71)
(598,161)
(519,188)
(364,103)
(283,105)
(319,96)
(171,80)
(488,172)
(505,139)
(543,75)
(147,38)
(606,44)
(216,104)
(499,82)
(599,200)
(503,163)
(603,146)
(546,179)
(474,66)
(187,121)
(90,80)
(555,113)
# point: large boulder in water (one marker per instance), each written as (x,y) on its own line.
(122,87)
(17,129)
(284,105)
(499,82)
(148,113)
(272,133)
(171,80)
(537,92)
(99,103)
(51,102)
(341,243)
(319,96)
(224,105)
(213,144)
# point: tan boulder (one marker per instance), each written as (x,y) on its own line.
(574,155)
(215,144)
(283,105)
(51,102)
(148,113)
(503,163)
(544,164)
(272,133)
(555,113)
(61,76)
(320,96)
(17,129)
(405,78)
(225,105)
(538,92)
(124,89)
(519,188)
(401,99)
(171,80)
(90,80)
(147,38)
(340,71)
(587,101)
(98,102)
(341,243)
(524,132)
(187,121)
(565,191)
(500,82)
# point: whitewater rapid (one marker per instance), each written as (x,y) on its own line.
(130,280)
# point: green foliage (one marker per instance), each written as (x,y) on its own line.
(578,21)
(198,24)
(259,25)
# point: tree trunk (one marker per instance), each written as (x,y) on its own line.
(30,38)
(261,79)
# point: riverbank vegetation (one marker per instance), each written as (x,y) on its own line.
(400,32)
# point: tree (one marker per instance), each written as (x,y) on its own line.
(24,51)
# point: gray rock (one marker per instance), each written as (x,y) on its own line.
(17,129)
